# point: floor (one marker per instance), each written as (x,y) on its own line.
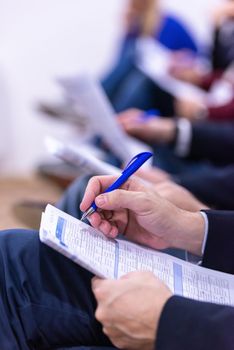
(23,200)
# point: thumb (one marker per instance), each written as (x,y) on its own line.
(118,199)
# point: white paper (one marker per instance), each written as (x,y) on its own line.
(78,241)
(113,258)
(154,61)
(81,158)
(221,93)
(90,97)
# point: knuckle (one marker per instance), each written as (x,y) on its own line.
(93,180)
(118,342)
(100,315)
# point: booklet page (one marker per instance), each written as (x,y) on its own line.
(182,278)
(78,241)
(115,258)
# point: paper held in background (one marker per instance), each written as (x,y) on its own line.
(80,157)
(154,60)
(91,99)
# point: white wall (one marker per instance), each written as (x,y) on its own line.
(42,39)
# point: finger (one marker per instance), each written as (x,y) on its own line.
(108,229)
(98,184)
(121,341)
(95,186)
(105,227)
(138,275)
(114,231)
(103,288)
(107,214)
(105,221)
(119,199)
(110,331)
(131,120)
(95,219)
(134,129)
(131,113)
(96,282)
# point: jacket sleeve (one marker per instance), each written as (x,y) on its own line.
(189,324)
(213,141)
(206,184)
(219,250)
(192,325)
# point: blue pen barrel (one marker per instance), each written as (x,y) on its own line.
(130,169)
(151,113)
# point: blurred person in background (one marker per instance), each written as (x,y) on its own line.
(221,77)
(141,19)
(199,156)
(144,19)
(219,81)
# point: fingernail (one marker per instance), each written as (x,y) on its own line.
(100,200)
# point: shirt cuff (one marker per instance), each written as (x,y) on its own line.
(183,138)
(206,231)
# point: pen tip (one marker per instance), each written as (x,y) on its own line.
(83,217)
(89,212)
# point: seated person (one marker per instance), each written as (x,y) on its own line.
(143,18)
(146,94)
(201,140)
(220,102)
(222,71)
(48,302)
(209,146)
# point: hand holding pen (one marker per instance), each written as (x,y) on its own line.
(136,211)
(148,126)
(130,169)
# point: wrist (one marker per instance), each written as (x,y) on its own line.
(201,113)
(166,133)
(190,230)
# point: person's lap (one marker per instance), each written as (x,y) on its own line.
(46,300)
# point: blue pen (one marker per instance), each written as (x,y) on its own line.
(151,113)
(130,169)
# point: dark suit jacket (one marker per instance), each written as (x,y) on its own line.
(213,142)
(213,186)
(192,325)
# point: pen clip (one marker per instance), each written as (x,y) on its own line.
(133,160)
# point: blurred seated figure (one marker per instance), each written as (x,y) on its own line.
(220,79)
(219,106)
(201,140)
(199,156)
(147,93)
(144,18)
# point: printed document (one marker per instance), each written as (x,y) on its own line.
(92,100)
(108,258)
(80,157)
(154,61)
